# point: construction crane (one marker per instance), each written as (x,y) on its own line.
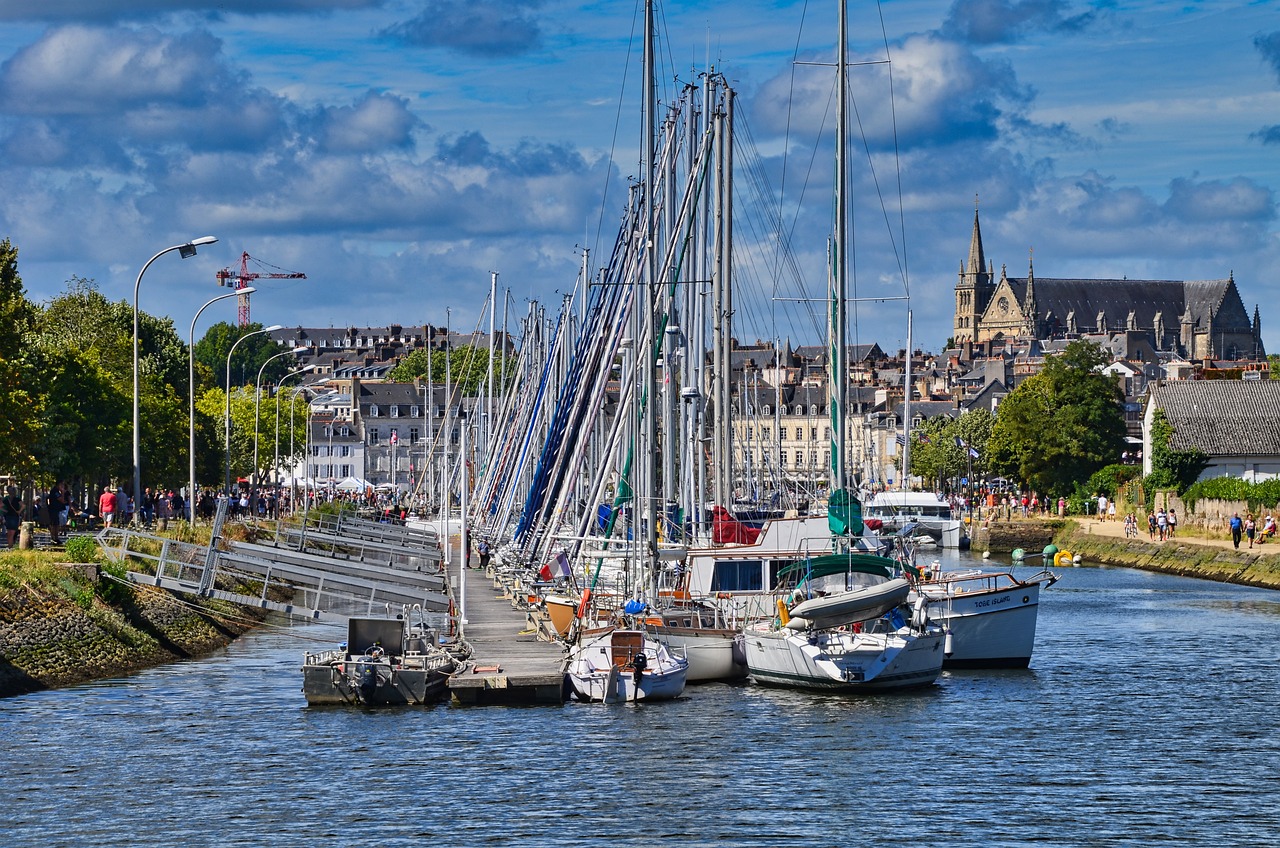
(244,279)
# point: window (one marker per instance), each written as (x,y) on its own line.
(813,409)
(395,411)
(344,431)
(346,471)
(413,435)
(813,434)
(346,451)
(414,412)
(373,435)
(738,576)
(766,433)
(328,431)
(826,433)
(373,410)
(782,458)
(766,410)
(799,434)
(315,450)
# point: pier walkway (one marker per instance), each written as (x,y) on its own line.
(510,665)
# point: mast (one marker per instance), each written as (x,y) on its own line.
(906,414)
(647,302)
(839,375)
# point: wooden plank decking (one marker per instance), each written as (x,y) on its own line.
(510,665)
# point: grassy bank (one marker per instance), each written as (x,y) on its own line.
(1182,557)
(63,623)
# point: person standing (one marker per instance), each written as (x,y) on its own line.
(12,510)
(1162,522)
(1237,526)
(1173,522)
(1250,527)
(55,503)
(107,507)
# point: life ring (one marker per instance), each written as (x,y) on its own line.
(1063,559)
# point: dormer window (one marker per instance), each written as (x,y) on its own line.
(373,410)
(414,412)
(395,411)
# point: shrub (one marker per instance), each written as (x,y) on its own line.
(82,549)
(111,586)
(1110,479)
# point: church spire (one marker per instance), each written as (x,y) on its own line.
(1029,307)
(977,266)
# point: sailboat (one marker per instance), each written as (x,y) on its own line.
(844,625)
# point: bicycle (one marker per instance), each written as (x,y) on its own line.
(1131,531)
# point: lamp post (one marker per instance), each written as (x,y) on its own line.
(257,398)
(191,406)
(275,468)
(227,420)
(186,250)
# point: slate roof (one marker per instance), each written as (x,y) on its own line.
(1116,298)
(1222,417)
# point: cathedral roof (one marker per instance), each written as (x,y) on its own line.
(1115,299)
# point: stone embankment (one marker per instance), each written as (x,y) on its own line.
(1104,542)
(59,636)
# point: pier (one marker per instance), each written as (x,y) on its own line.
(509,663)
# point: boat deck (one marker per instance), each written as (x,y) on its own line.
(510,665)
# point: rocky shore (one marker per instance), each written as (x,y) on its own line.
(68,634)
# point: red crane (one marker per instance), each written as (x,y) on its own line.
(227,277)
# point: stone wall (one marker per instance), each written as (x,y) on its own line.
(48,639)
(1225,565)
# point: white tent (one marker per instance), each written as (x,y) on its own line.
(353,484)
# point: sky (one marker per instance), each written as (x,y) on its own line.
(399,151)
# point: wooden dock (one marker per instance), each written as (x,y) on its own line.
(510,665)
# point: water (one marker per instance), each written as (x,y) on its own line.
(1146,718)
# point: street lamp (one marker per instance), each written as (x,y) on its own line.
(227,420)
(191,407)
(275,468)
(257,397)
(186,250)
(306,446)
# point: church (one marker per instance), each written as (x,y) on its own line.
(1194,319)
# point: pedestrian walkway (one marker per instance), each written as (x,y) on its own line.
(1184,535)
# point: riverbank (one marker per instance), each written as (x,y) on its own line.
(1104,542)
(62,624)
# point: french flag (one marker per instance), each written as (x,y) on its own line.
(558,567)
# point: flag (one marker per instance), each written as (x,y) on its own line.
(902,440)
(973,453)
(924,439)
(558,567)
(395,437)
(960,443)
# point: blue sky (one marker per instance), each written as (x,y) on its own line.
(397,152)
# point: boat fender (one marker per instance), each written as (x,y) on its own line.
(920,614)
(784,614)
(1062,559)
(946,644)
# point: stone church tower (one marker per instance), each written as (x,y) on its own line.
(973,291)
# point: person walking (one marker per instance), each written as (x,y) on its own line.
(107,507)
(54,504)
(1237,526)
(1151,525)
(1173,522)
(1250,527)
(1162,522)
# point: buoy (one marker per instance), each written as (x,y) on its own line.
(986,554)
(1050,551)
(1018,554)
(1077,559)
(1062,559)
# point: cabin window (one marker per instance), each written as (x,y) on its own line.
(738,576)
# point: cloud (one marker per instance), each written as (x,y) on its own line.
(477,27)
(997,21)
(1269,46)
(96,11)
(377,121)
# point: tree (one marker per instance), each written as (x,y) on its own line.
(1061,425)
(20,395)
(468,368)
(251,354)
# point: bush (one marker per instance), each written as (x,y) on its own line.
(82,549)
(1109,480)
(111,587)
(1260,496)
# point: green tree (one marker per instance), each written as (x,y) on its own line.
(468,368)
(1060,425)
(211,405)
(20,393)
(250,356)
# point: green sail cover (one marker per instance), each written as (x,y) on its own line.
(844,514)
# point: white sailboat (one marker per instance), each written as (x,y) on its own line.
(843,627)
(614,665)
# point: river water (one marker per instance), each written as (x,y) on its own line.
(1147,718)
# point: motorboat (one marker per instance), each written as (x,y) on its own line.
(384,661)
(614,665)
(989,617)
(927,511)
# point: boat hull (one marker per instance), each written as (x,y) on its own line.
(844,661)
(353,682)
(604,668)
(713,654)
(989,629)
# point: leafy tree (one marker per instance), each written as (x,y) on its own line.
(211,405)
(1109,479)
(468,368)
(1060,425)
(249,357)
(20,395)
(1171,469)
(88,420)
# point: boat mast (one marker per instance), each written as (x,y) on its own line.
(646,301)
(839,376)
